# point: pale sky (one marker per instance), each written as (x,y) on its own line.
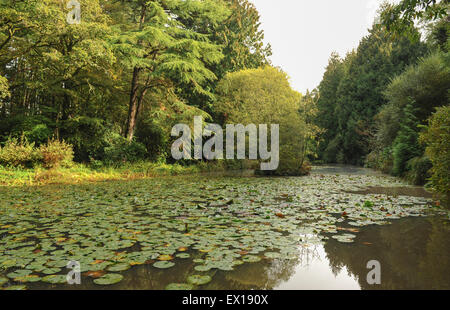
(304,33)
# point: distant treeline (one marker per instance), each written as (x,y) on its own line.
(375,104)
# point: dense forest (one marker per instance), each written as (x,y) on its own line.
(385,104)
(106,90)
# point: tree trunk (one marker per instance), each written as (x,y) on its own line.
(133,106)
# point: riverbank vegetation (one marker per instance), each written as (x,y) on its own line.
(113,86)
(97,99)
(378,100)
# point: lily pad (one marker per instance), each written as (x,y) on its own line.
(109,279)
(55,279)
(19,273)
(119,267)
(180,287)
(183,255)
(163,264)
(15,288)
(199,280)
(251,258)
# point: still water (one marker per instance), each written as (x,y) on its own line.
(413,251)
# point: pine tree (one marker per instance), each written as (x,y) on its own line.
(162,46)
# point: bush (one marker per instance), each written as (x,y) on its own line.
(437,137)
(39,134)
(405,145)
(155,138)
(22,154)
(56,153)
(18,153)
(418,170)
(380,160)
(87,136)
(121,150)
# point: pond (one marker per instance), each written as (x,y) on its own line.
(211,232)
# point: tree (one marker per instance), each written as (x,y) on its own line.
(50,64)
(243,39)
(326,105)
(242,43)
(436,136)
(359,96)
(405,144)
(158,43)
(264,96)
(399,19)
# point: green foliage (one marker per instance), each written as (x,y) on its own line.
(18,153)
(120,150)
(326,118)
(418,170)
(242,39)
(405,145)
(400,18)
(55,154)
(22,154)
(412,97)
(39,134)
(128,64)
(264,96)
(154,137)
(351,94)
(87,135)
(4,91)
(436,136)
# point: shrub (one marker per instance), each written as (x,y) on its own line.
(39,134)
(18,153)
(155,138)
(436,137)
(405,145)
(418,170)
(121,150)
(86,135)
(56,153)
(381,160)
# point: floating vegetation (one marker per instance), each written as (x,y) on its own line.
(223,223)
(199,280)
(163,264)
(180,287)
(109,279)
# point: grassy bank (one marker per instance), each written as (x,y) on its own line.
(80,173)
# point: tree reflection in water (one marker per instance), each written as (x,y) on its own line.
(414,254)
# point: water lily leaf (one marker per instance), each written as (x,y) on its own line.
(15,288)
(179,287)
(28,278)
(51,270)
(19,273)
(119,267)
(55,279)
(199,280)
(163,264)
(202,268)
(3,281)
(183,255)
(165,257)
(251,258)
(109,279)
